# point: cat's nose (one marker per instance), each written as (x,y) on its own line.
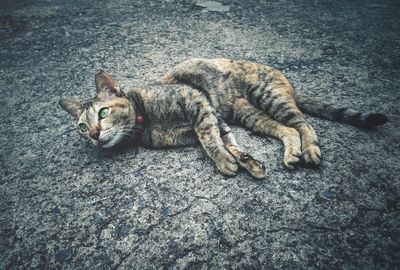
(94,133)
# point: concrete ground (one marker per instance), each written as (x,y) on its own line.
(64,204)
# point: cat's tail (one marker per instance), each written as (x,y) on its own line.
(319,108)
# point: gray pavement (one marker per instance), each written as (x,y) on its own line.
(64,204)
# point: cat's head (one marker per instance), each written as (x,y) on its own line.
(108,119)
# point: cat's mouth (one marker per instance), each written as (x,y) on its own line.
(105,143)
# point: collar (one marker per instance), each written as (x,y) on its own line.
(138,128)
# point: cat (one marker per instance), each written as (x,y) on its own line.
(193,102)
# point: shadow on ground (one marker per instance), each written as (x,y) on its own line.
(65,205)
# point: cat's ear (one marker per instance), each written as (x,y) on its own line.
(105,85)
(74,108)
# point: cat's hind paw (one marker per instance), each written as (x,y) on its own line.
(291,158)
(312,155)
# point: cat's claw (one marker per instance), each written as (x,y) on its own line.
(312,155)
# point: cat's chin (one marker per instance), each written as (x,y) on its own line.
(122,145)
(110,143)
(106,145)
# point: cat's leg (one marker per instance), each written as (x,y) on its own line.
(256,120)
(310,149)
(276,98)
(290,115)
(254,167)
(205,124)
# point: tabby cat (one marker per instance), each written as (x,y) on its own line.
(191,103)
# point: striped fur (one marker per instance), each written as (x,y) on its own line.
(193,101)
(263,100)
(175,115)
(324,110)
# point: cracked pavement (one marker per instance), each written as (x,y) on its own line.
(64,204)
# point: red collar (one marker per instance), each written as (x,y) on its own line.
(138,106)
(139,120)
(138,129)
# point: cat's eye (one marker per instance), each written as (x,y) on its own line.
(103,113)
(83,127)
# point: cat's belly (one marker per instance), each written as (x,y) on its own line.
(159,136)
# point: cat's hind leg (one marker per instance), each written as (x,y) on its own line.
(254,167)
(256,120)
(291,116)
(276,98)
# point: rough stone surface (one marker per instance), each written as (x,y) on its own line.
(66,205)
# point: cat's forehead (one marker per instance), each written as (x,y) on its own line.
(89,113)
(93,103)
(90,107)
(113,102)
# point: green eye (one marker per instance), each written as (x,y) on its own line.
(103,113)
(83,127)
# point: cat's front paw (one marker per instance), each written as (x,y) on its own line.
(312,155)
(226,164)
(253,166)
